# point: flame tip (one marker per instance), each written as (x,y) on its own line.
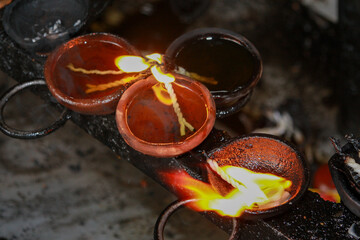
(261,192)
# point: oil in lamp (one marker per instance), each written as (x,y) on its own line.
(226,62)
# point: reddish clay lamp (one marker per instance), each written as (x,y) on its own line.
(82,74)
(265,160)
(152,123)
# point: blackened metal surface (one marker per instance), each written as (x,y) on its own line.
(345,176)
(314,218)
(310,218)
(40,26)
(346,191)
(349,34)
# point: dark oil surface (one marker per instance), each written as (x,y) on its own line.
(230,63)
(155,122)
(92,55)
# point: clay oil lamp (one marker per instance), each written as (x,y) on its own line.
(166,114)
(41,25)
(344,167)
(83,76)
(226,62)
(250,177)
(271,169)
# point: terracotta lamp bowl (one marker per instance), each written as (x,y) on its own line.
(152,127)
(265,154)
(227,57)
(90,52)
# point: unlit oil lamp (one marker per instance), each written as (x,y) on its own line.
(344,167)
(165,115)
(83,76)
(226,62)
(41,25)
(251,177)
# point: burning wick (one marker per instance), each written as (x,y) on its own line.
(132,64)
(136,64)
(252,191)
(154,61)
(167,79)
(269,190)
(215,167)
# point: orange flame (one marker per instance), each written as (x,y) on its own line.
(256,191)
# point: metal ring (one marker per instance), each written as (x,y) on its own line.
(64,116)
(169,210)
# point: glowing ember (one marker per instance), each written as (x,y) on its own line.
(252,191)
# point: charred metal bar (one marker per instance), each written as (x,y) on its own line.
(310,218)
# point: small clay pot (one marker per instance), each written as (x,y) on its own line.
(152,127)
(93,51)
(226,56)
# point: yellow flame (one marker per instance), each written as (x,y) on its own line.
(261,184)
(257,191)
(162,94)
(155,57)
(161,76)
(128,63)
